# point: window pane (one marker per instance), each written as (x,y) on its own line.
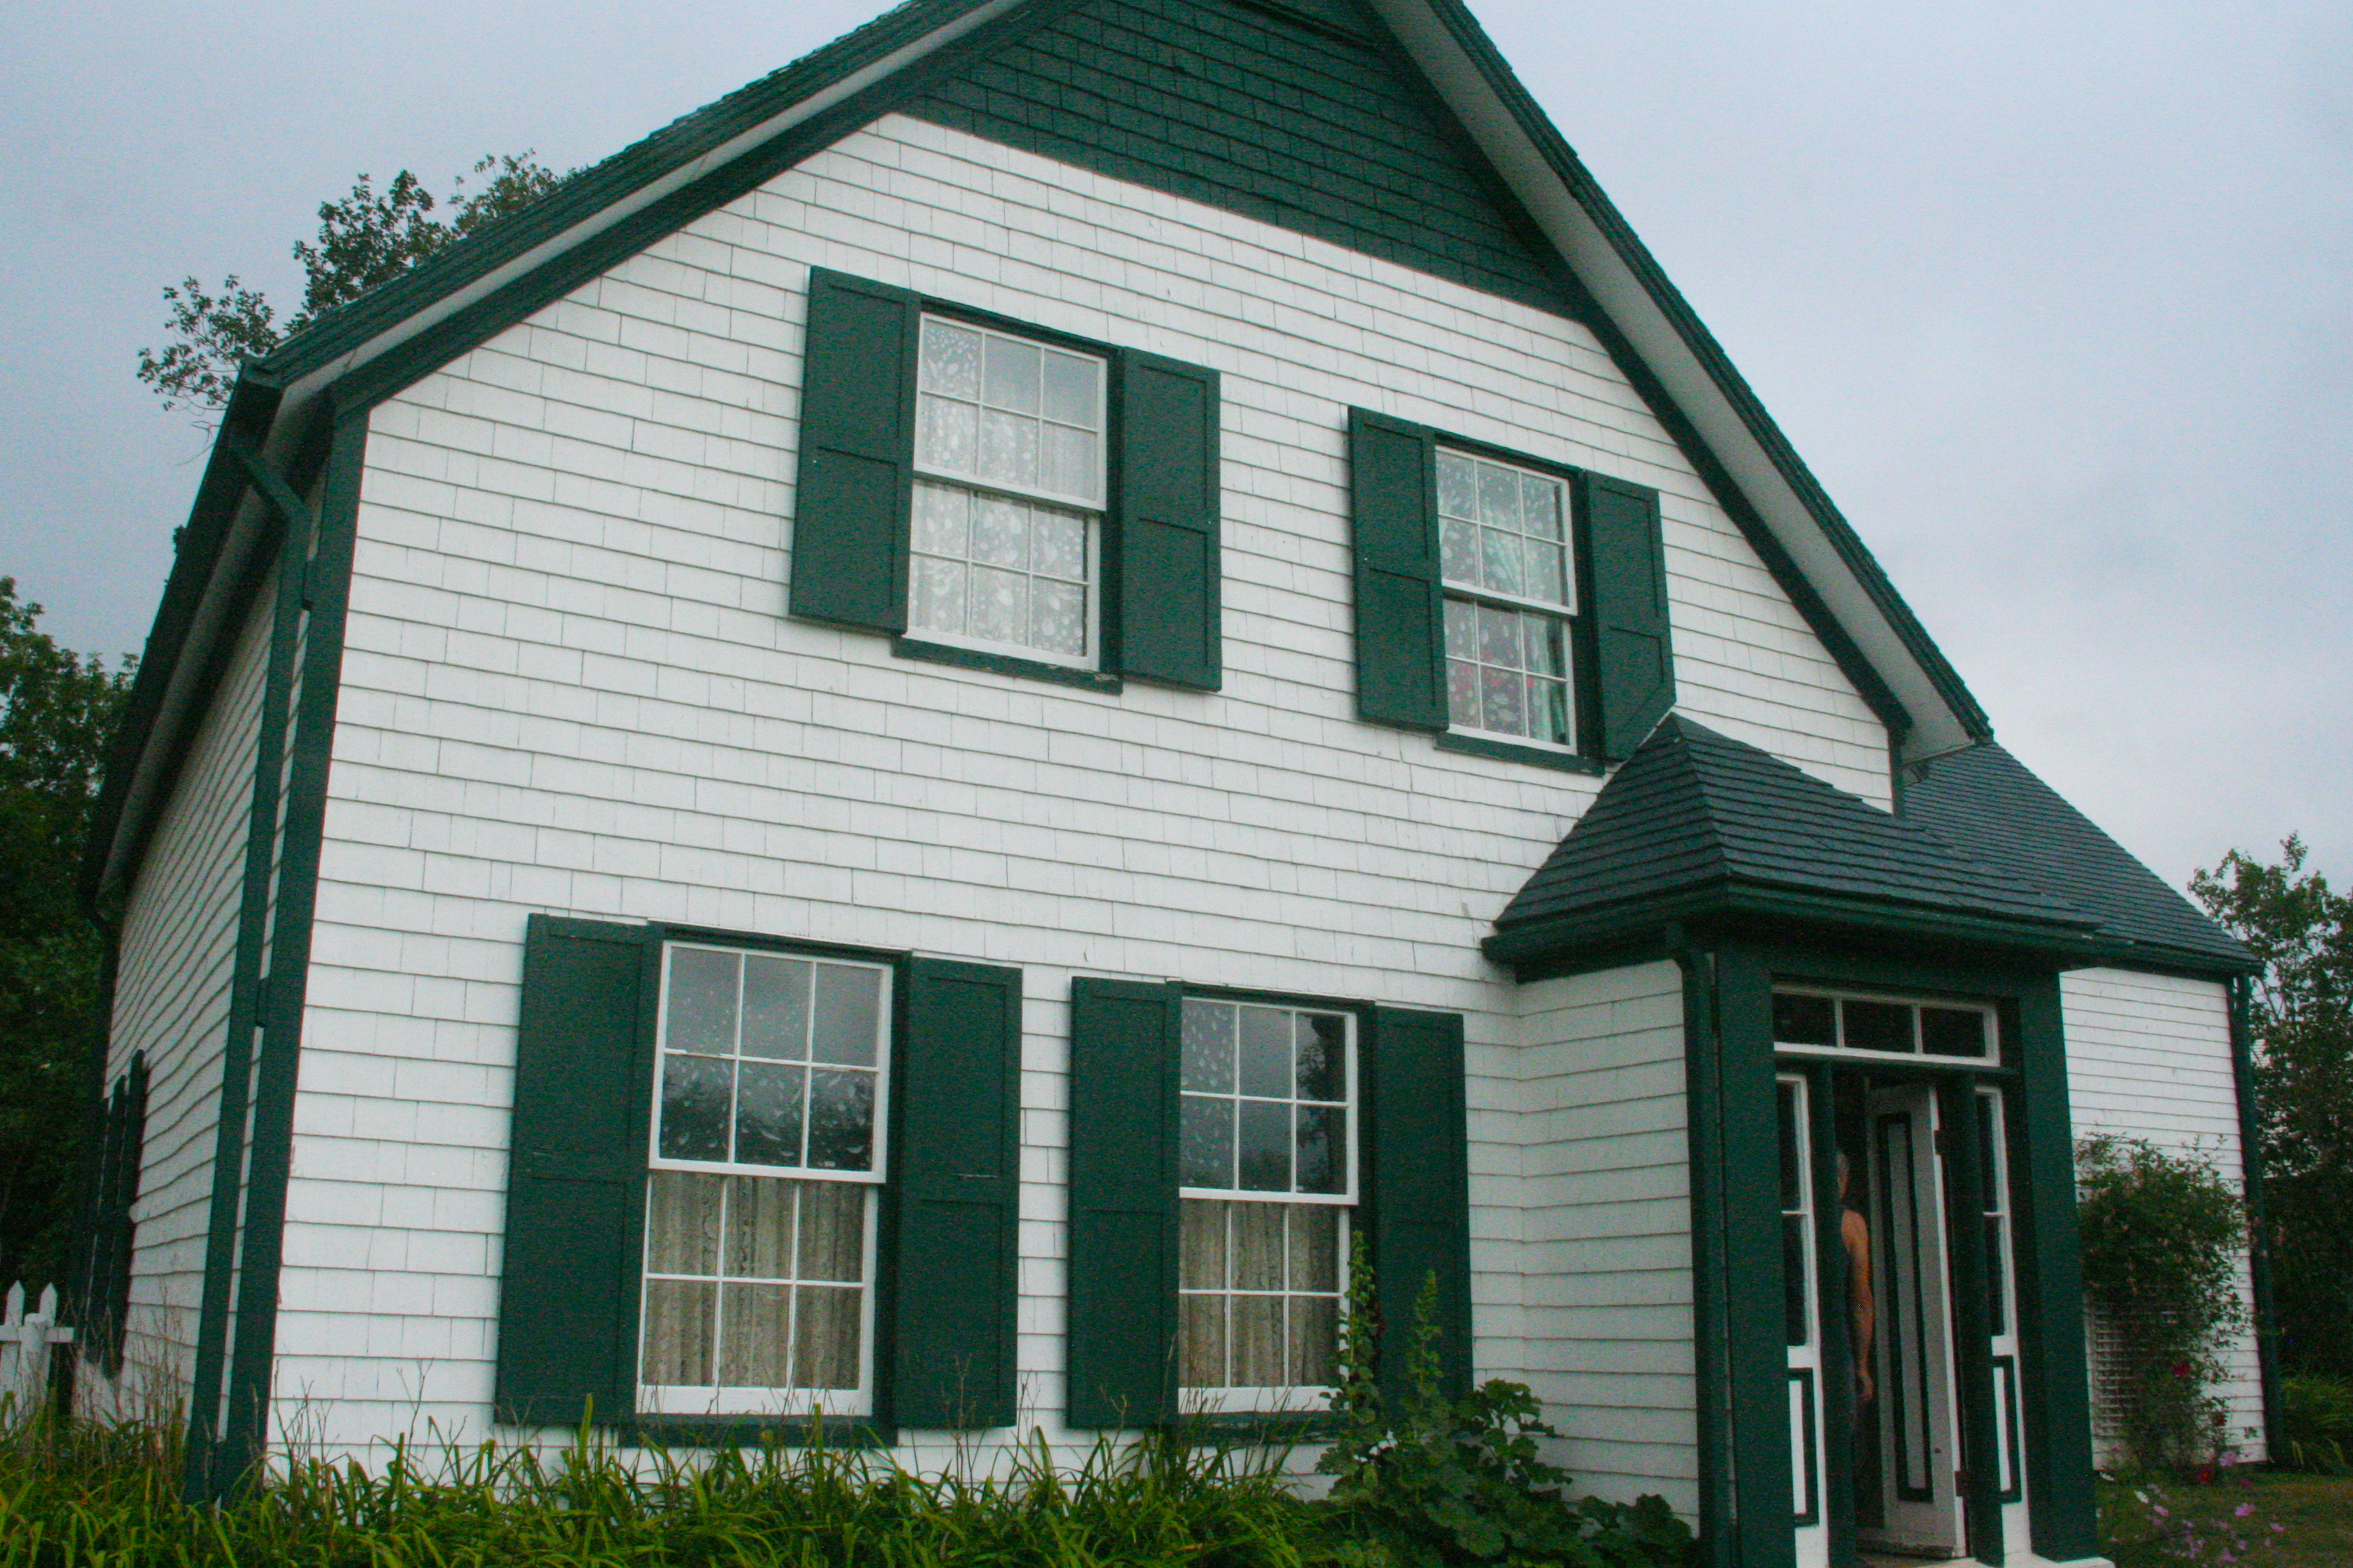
(755,1335)
(1264,1133)
(1202,1250)
(1000,605)
(1542,636)
(1322,1136)
(760,1228)
(1501,702)
(1502,552)
(682,1222)
(1315,1246)
(943,514)
(1458,549)
(842,1120)
(1202,1342)
(1009,377)
(1058,617)
(849,1013)
(1462,693)
(1209,1063)
(1877,1025)
(769,1114)
(1461,629)
(1259,1245)
(1548,710)
(1499,497)
(1008,450)
(1265,1051)
(1793,1135)
(1952,1031)
(939,595)
(1204,1149)
(1323,1044)
(679,1326)
(1069,461)
(825,1347)
(1073,389)
(1793,1279)
(833,1231)
(1057,544)
(1499,636)
(1458,486)
(1000,533)
(1315,1333)
(947,434)
(701,1001)
(775,1008)
(950,359)
(695,1095)
(1540,503)
(1258,1358)
(1803,1020)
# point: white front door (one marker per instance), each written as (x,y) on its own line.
(1912,1340)
(1802,1320)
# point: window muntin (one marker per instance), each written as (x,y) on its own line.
(1007,555)
(1267,1168)
(1884,1027)
(760,1205)
(1511,587)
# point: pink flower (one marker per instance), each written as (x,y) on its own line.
(2244,1510)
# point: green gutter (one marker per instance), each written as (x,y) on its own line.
(2259,1251)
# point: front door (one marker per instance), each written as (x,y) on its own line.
(1918,1506)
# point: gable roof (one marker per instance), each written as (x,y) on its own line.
(1985,802)
(371,348)
(1697,822)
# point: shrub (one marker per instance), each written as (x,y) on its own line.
(2317,1425)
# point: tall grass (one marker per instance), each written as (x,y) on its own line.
(78,1495)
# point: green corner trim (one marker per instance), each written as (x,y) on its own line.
(1712,1332)
(1505,751)
(1005,664)
(2259,1251)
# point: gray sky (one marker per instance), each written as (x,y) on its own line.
(2057,299)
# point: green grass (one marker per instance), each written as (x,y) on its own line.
(2316,1511)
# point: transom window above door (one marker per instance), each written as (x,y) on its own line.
(1009,444)
(1510,589)
(1884,1027)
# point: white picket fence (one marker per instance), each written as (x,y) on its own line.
(27,1343)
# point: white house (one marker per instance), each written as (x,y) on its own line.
(909,755)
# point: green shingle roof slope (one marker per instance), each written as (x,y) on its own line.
(1986,803)
(1694,811)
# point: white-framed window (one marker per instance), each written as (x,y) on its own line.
(1267,1167)
(1510,574)
(1880,1028)
(1006,544)
(771,1094)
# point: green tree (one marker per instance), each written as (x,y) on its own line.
(364,241)
(2302,1025)
(58,712)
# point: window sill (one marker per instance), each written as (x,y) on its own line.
(1005,664)
(1504,750)
(1247,1427)
(753,1431)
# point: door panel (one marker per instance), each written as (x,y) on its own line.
(1911,1349)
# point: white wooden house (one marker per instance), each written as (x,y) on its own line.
(909,755)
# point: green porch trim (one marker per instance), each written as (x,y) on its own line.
(2259,1247)
(1836,1332)
(1710,1332)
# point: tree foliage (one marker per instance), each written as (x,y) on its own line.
(365,239)
(2303,1022)
(57,712)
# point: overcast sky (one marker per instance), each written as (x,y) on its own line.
(2057,299)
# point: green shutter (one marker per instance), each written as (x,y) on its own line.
(1636,675)
(956,1172)
(1400,624)
(856,453)
(1417,1187)
(1166,532)
(568,1296)
(1123,1237)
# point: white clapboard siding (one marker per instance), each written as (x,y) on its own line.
(570,686)
(171,1000)
(2148,1056)
(1607,1222)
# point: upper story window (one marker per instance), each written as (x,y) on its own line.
(760,1202)
(1510,584)
(1007,505)
(1885,1027)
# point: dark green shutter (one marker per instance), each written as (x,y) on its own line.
(1417,1188)
(1166,533)
(1123,1235)
(1635,677)
(1400,618)
(958,1093)
(857,454)
(568,1295)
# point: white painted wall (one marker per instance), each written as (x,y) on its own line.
(2148,1056)
(171,1001)
(570,686)
(1607,1266)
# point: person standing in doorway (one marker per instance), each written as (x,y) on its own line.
(1861,1307)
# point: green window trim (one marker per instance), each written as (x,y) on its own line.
(1621,674)
(1157,578)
